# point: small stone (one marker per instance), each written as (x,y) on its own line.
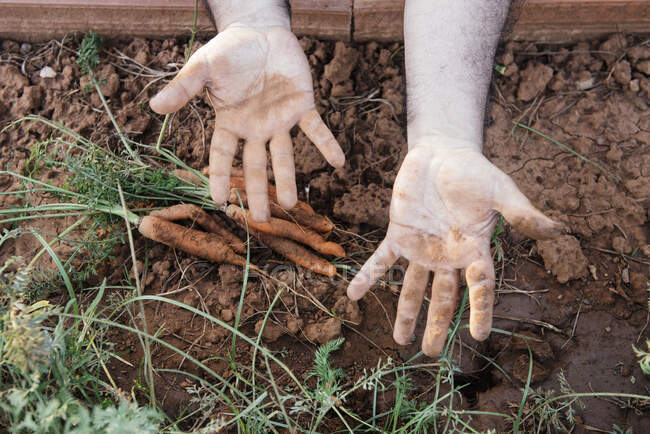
(592,270)
(646,250)
(634,85)
(25,48)
(226,315)
(560,297)
(608,329)
(625,275)
(47,72)
(586,301)
(585,81)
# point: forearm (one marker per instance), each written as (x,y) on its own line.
(450,48)
(255,13)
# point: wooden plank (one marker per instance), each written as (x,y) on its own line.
(565,20)
(325,19)
(378,20)
(41,20)
(539,20)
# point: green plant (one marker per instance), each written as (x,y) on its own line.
(88,53)
(50,369)
(644,357)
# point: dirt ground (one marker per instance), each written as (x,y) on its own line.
(583,297)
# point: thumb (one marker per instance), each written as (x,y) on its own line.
(188,82)
(522,215)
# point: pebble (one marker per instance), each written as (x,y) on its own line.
(608,329)
(625,275)
(25,48)
(47,72)
(226,315)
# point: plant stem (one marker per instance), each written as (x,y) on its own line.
(130,150)
(70,228)
(568,149)
(147,344)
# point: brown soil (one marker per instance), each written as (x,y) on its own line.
(584,313)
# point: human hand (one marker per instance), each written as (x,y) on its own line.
(259,82)
(442,215)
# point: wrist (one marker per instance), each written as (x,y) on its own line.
(249,13)
(442,144)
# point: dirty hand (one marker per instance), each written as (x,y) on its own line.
(442,214)
(259,82)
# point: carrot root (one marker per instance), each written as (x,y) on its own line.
(295,253)
(302,213)
(198,243)
(285,229)
(206,221)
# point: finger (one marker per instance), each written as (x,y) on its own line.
(188,82)
(312,125)
(444,293)
(222,151)
(522,215)
(480,279)
(410,301)
(284,170)
(375,266)
(256,183)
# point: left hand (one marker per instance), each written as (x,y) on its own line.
(442,215)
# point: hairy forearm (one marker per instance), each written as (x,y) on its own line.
(255,13)
(450,48)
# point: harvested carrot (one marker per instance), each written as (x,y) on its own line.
(297,214)
(198,243)
(295,253)
(285,229)
(206,221)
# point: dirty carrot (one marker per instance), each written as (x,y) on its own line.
(206,221)
(298,214)
(202,244)
(295,253)
(285,229)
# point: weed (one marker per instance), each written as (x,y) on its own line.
(88,53)
(644,357)
(50,372)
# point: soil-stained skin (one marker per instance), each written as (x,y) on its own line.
(595,296)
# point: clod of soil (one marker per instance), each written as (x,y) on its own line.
(564,257)
(338,71)
(324,331)
(533,81)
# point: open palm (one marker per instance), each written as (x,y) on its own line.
(444,208)
(260,86)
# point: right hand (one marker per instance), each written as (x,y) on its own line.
(444,209)
(259,82)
